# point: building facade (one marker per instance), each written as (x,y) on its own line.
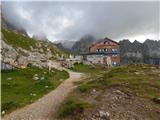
(104,51)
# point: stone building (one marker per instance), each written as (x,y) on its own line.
(105,51)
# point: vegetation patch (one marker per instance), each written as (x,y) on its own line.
(136,78)
(139,82)
(24,86)
(24,42)
(72,106)
(78,67)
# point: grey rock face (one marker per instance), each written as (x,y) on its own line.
(9,54)
(136,52)
(19,57)
(82,46)
(101,115)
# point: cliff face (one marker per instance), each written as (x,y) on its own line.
(147,52)
(20,51)
(82,46)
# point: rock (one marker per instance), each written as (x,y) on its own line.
(157,100)
(104,115)
(137,73)
(42,78)
(9,54)
(94,90)
(35,78)
(22,60)
(35,75)
(119,92)
(46,86)
(44,72)
(34,94)
(9,78)
(3,112)
(95,115)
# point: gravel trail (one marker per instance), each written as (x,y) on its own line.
(45,107)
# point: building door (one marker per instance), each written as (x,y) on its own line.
(105,60)
(109,61)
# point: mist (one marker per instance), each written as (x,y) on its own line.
(72,20)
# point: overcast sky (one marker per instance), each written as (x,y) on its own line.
(72,20)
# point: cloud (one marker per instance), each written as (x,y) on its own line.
(72,20)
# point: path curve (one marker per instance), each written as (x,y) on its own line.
(45,107)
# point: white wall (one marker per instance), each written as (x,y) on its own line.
(95,59)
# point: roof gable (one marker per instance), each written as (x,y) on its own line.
(105,40)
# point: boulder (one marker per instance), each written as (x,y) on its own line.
(157,100)
(104,115)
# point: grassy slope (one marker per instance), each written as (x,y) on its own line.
(22,89)
(86,68)
(18,40)
(142,80)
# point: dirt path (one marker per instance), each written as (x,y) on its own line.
(44,108)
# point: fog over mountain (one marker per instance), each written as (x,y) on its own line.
(72,20)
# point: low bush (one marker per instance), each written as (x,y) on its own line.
(72,107)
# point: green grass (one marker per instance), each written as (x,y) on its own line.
(141,80)
(72,106)
(17,40)
(145,84)
(19,88)
(78,67)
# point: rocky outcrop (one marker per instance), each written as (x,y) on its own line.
(82,46)
(136,52)
(21,58)
(5,66)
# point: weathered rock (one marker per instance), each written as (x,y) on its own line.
(42,78)
(9,78)
(3,112)
(156,100)
(35,74)
(119,92)
(23,60)
(104,115)
(19,57)
(35,78)
(9,54)
(94,90)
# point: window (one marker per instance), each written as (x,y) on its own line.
(101,50)
(114,50)
(106,42)
(105,50)
(114,62)
(114,55)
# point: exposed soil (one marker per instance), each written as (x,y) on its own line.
(117,105)
(44,108)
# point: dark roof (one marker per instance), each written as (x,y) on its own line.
(104,40)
